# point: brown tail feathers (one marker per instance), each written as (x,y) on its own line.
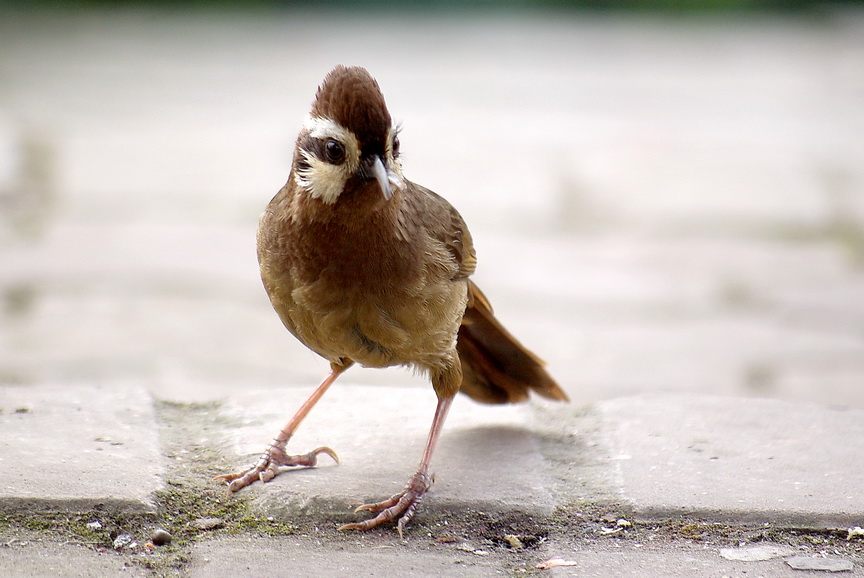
(496,368)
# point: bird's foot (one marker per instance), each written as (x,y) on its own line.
(268,466)
(402,505)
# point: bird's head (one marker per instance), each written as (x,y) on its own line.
(348,141)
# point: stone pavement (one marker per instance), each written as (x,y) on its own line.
(670,212)
(651,485)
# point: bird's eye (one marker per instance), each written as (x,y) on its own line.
(395,146)
(334,151)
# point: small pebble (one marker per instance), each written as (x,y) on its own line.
(124,541)
(554,563)
(825,564)
(208,523)
(160,537)
(514,541)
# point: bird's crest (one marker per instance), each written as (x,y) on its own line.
(350,97)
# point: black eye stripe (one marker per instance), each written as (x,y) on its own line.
(310,145)
(328,149)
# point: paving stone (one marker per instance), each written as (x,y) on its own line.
(737,460)
(31,556)
(669,562)
(304,556)
(488,458)
(307,556)
(66,448)
(820,563)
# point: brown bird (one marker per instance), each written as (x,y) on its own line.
(364,266)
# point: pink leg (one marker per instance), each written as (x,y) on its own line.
(404,504)
(274,457)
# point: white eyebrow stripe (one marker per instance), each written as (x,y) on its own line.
(323,127)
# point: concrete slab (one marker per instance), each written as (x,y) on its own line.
(488,458)
(678,561)
(33,556)
(738,460)
(76,448)
(305,556)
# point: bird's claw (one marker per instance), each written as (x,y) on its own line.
(268,466)
(402,506)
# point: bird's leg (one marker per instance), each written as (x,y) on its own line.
(404,504)
(274,457)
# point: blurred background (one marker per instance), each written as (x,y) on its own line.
(665,197)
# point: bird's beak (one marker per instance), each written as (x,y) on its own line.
(379,173)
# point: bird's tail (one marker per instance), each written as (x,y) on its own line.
(496,368)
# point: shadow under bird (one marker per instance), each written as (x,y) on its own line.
(364,266)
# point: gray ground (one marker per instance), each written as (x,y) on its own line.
(670,212)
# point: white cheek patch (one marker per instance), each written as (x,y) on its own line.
(321,179)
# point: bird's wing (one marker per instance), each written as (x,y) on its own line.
(447,226)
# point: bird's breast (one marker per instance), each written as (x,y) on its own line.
(368,293)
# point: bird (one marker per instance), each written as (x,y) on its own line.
(364,266)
